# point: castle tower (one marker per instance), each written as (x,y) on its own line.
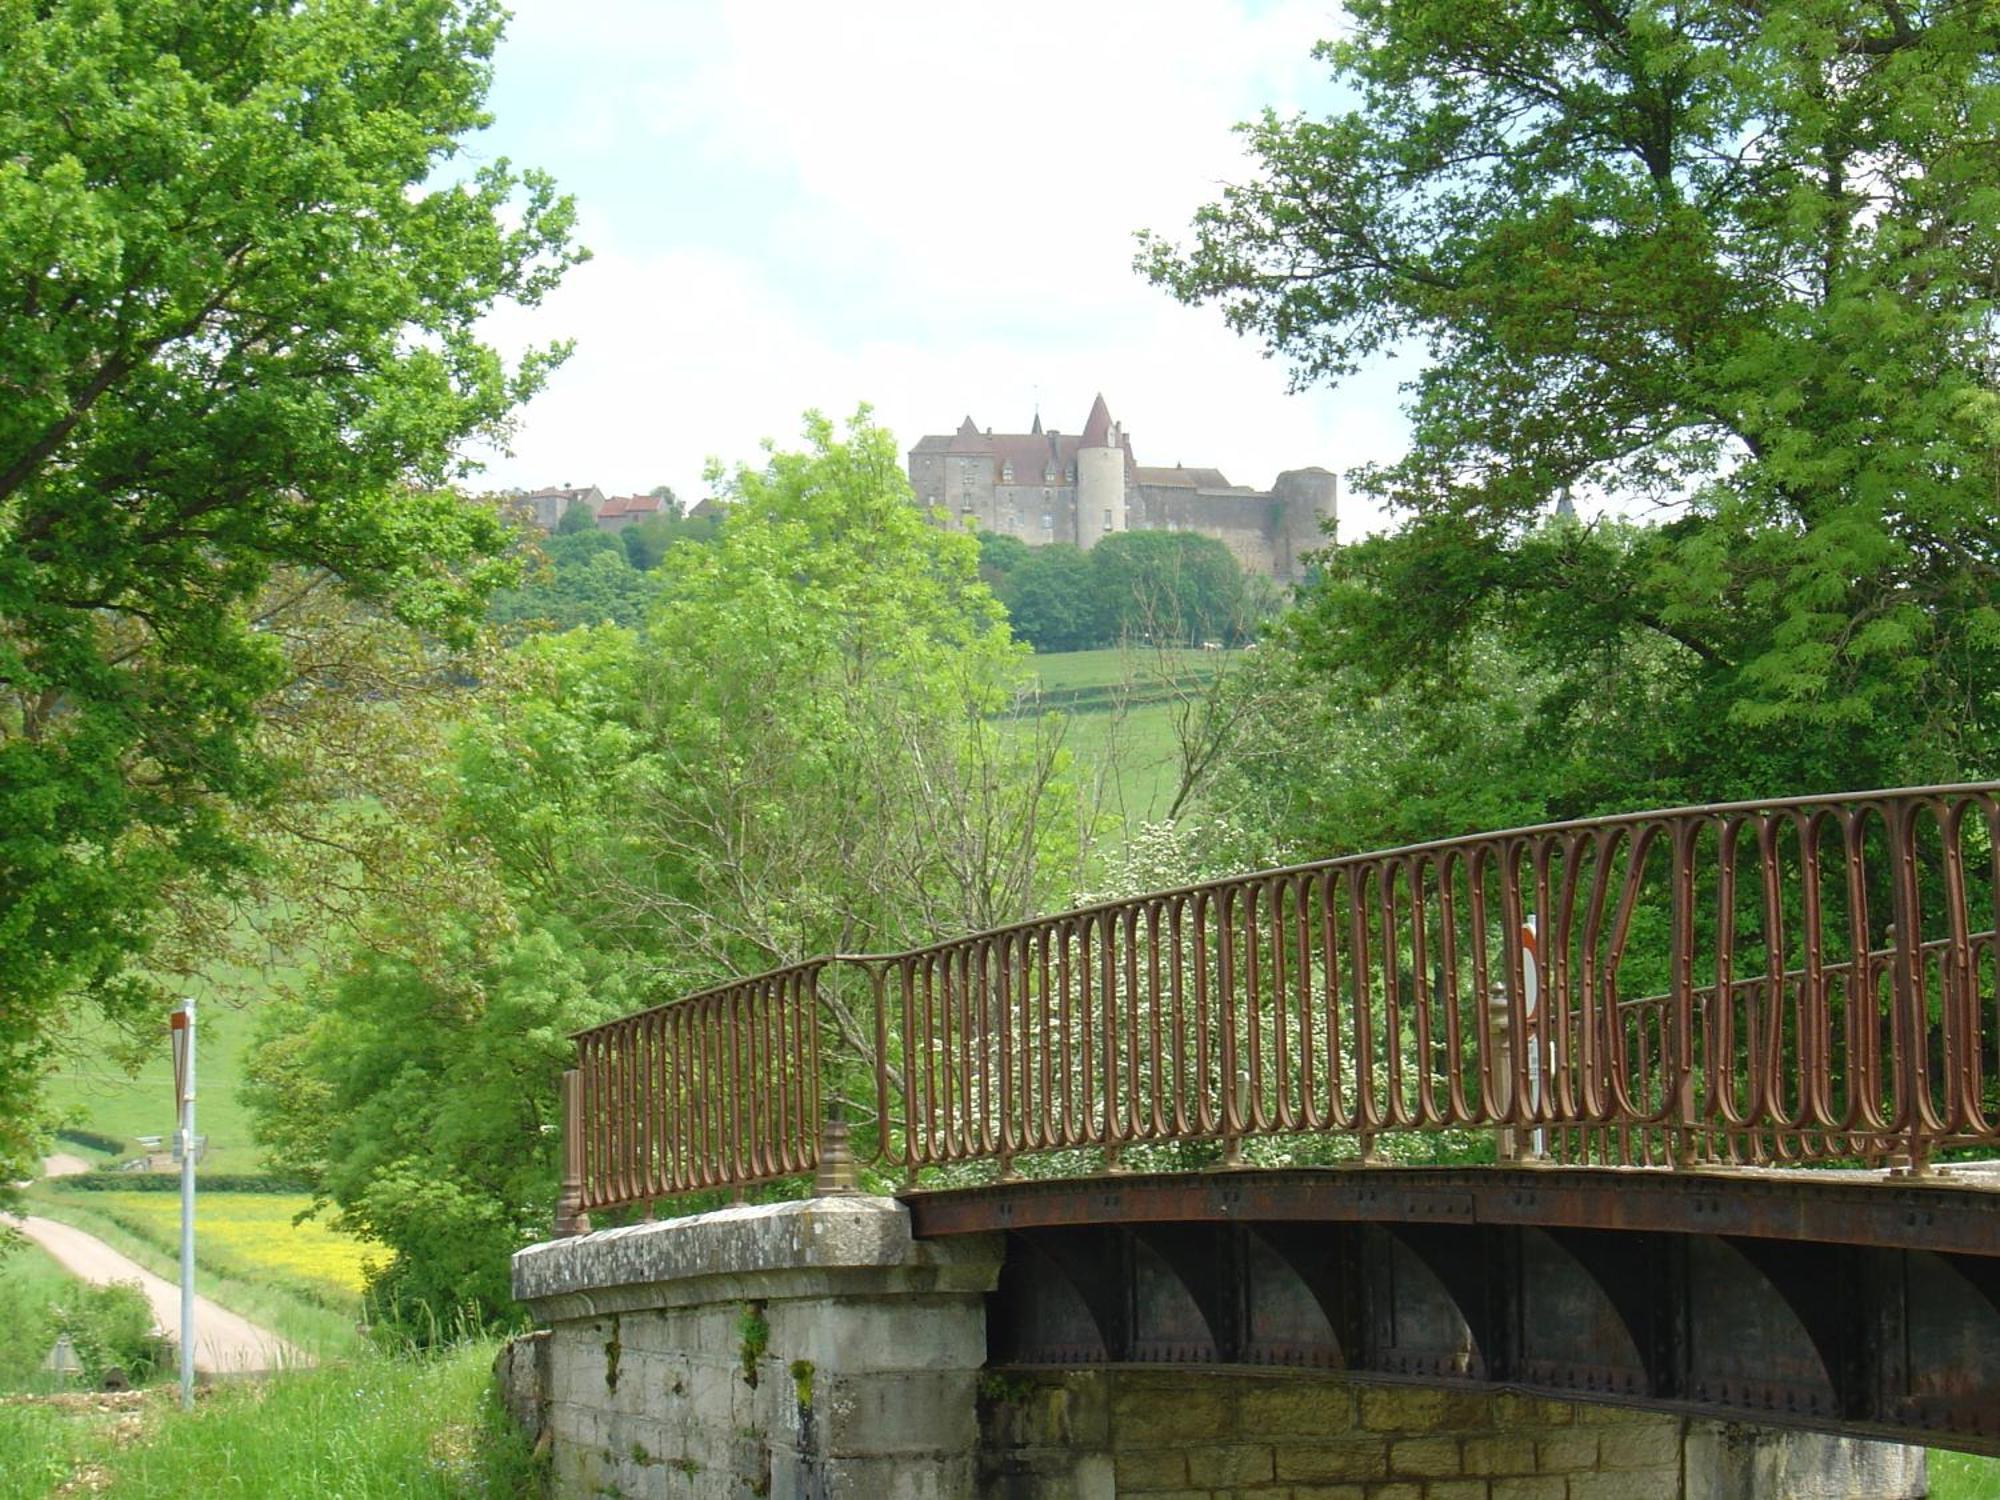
(1100,478)
(1308,505)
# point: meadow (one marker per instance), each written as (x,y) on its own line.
(377,1426)
(244,1236)
(91,1087)
(1119,703)
(305,1295)
(29,1282)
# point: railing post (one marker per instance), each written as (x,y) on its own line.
(837,1173)
(1908,1034)
(570,1219)
(1500,1030)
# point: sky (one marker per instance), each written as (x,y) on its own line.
(929,207)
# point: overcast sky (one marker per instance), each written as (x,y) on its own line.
(926,206)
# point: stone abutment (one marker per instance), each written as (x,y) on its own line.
(818,1351)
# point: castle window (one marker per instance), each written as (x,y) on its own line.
(1049,474)
(1048,522)
(1107,520)
(1007,473)
(1069,475)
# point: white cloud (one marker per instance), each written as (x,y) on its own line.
(928,206)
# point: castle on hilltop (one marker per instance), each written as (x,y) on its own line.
(1057,487)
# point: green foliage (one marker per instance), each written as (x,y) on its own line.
(753,1335)
(31,1284)
(647,542)
(801,754)
(239,299)
(1724,267)
(417,1428)
(1052,602)
(1173,588)
(588,580)
(422,1102)
(577,519)
(999,556)
(111,1327)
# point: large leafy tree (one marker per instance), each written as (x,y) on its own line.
(807,749)
(1173,586)
(1723,269)
(240,282)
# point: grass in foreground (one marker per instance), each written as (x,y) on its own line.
(1963,1476)
(380,1426)
(29,1283)
(318,1317)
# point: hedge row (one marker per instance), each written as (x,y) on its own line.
(96,1141)
(103,1181)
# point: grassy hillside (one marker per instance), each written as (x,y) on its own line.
(93,1089)
(1120,706)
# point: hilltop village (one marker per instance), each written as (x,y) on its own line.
(1045,485)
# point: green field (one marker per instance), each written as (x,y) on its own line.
(243,1236)
(93,1090)
(260,1276)
(1120,704)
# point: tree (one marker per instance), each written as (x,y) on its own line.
(1051,601)
(1172,586)
(239,299)
(586,581)
(1000,555)
(1721,267)
(807,750)
(646,542)
(672,508)
(577,518)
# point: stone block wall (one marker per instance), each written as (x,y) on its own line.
(801,1350)
(1181,1435)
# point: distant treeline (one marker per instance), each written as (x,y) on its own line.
(1169,587)
(591,577)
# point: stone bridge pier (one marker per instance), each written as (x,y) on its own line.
(818,1351)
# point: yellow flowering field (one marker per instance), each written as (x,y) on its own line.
(248,1235)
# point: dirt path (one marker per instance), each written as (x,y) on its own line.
(62,1164)
(225,1344)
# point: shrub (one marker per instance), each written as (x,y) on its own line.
(96,1140)
(112,1327)
(107,1180)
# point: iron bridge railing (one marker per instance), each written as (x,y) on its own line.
(1806,980)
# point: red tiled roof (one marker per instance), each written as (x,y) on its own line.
(630,505)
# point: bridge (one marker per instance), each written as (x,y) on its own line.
(1692,1113)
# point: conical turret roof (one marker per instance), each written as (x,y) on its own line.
(1097,431)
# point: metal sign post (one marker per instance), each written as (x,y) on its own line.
(182,1022)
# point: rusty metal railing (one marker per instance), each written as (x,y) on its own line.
(1808,979)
